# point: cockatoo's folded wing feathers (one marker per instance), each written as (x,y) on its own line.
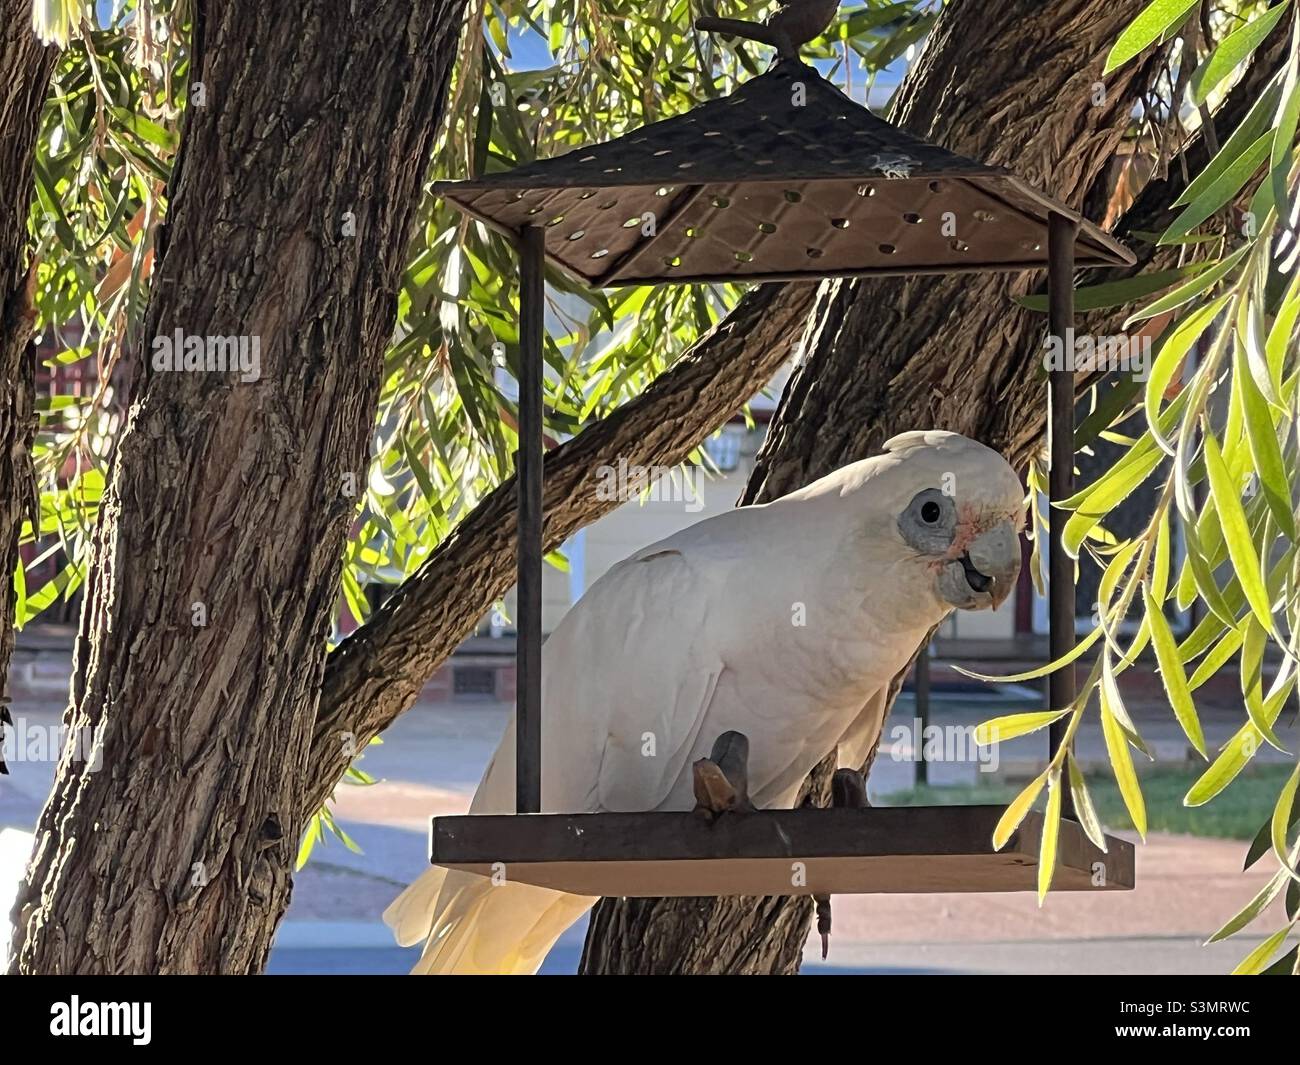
(648,618)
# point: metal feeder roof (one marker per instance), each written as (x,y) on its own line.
(785,178)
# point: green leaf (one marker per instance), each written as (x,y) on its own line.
(1232,51)
(1151,24)
(1118,293)
(1257,959)
(1121,759)
(1252,681)
(1252,909)
(1226,185)
(1236,532)
(1216,659)
(1258,120)
(1041,671)
(1000,729)
(1282,819)
(1015,812)
(1288,117)
(1193,288)
(1263,840)
(1265,448)
(1051,833)
(1171,673)
(1173,352)
(1083,807)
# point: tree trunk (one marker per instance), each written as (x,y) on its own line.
(218,550)
(27,66)
(1011,84)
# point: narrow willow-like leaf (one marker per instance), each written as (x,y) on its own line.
(1236,532)
(1121,760)
(1083,808)
(1172,354)
(1160,564)
(1015,812)
(1228,183)
(1112,489)
(1189,291)
(1051,834)
(1000,729)
(1119,293)
(1041,671)
(1152,23)
(1257,960)
(1238,751)
(1252,680)
(1171,673)
(1223,651)
(1261,431)
(1232,51)
(1203,575)
(1288,116)
(1282,819)
(1252,909)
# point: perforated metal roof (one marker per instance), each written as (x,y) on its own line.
(786,178)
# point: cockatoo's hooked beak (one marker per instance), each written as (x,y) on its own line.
(985,573)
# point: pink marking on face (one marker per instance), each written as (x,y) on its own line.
(972,521)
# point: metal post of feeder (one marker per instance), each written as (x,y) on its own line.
(921,681)
(1061,688)
(528,472)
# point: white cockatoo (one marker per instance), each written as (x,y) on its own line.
(788,621)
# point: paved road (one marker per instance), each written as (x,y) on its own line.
(1160,956)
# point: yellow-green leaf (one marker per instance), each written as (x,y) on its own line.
(999,729)
(1171,673)
(1257,959)
(1051,833)
(1083,807)
(1252,909)
(1015,813)
(1236,532)
(1282,821)
(1121,760)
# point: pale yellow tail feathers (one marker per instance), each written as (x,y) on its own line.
(411,914)
(475,927)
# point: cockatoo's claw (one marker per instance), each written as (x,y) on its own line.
(714,793)
(848,790)
(721,781)
(824,921)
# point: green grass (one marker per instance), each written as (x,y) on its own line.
(1235,813)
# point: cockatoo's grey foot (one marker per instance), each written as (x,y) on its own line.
(848,790)
(722,780)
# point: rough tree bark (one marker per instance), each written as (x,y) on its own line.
(28,67)
(217,554)
(1011,83)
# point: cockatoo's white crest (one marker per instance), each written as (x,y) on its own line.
(789,621)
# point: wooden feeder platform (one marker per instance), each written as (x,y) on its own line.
(809,851)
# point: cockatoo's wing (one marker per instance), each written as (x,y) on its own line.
(858,746)
(655,697)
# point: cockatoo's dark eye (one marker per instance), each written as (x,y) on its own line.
(929,522)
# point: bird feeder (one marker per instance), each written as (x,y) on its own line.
(784,179)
